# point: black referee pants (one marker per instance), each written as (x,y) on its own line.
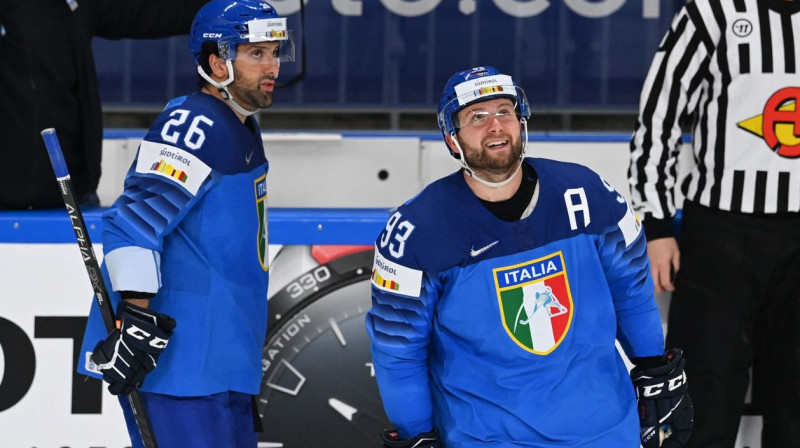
(736,305)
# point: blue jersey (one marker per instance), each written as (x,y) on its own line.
(191,227)
(503,333)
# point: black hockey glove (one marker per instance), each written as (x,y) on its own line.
(130,352)
(665,410)
(391,439)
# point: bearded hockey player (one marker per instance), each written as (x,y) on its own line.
(186,242)
(499,292)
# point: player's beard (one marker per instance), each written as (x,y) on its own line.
(249,91)
(496,166)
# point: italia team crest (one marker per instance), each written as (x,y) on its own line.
(535,302)
(263,229)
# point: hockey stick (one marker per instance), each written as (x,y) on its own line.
(93,269)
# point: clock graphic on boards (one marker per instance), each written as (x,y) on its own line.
(319,385)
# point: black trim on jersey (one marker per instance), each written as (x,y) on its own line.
(132,295)
(512,208)
(788,42)
(766,37)
(744,58)
(739,5)
(783,6)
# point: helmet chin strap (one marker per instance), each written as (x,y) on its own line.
(223,89)
(463,160)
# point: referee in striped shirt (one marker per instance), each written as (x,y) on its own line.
(731,70)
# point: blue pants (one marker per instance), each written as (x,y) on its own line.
(223,420)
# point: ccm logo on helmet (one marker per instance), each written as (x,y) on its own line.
(140,334)
(212,35)
(672,384)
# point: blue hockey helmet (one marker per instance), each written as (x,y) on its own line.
(474,86)
(231,22)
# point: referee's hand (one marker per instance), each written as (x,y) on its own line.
(664,262)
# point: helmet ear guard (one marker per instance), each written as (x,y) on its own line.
(473,86)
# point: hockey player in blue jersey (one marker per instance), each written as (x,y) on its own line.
(499,291)
(186,243)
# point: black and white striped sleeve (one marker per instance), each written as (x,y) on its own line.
(671,91)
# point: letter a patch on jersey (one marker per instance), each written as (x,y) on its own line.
(263,229)
(535,302)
